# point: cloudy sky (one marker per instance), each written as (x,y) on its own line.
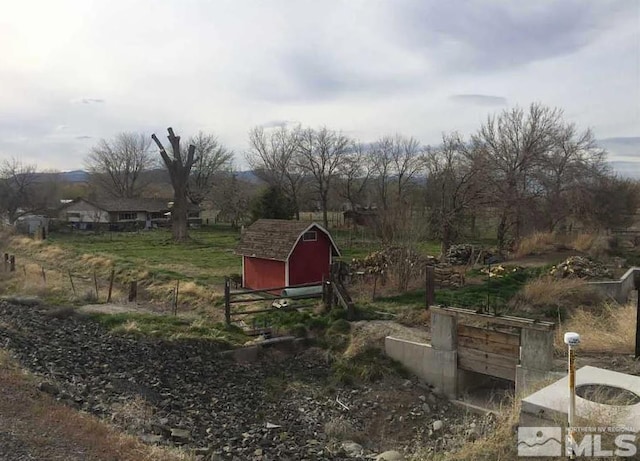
(73,72)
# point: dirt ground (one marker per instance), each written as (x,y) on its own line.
(33,426)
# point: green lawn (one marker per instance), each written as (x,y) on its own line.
(206,259)
(497,292)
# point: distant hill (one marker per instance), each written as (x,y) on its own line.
(626,169)
(74,176)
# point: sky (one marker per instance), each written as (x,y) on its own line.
(73,72)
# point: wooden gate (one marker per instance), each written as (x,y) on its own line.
(491,352)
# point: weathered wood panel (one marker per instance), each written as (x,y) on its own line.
(487,363)
(487,335)
(489,346)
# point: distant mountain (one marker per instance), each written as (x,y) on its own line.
(248,176)
(626,169)
(74,176)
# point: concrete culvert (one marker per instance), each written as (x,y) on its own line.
(607,395)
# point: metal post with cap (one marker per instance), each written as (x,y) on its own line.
(571,340)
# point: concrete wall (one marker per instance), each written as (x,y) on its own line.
(619,289)
(436,367)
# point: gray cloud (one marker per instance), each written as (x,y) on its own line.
(626,169)
(479,99)
(366,68)
(494,35)
(92,101)
(623,146)
(276,123)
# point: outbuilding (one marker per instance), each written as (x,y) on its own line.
(278,253)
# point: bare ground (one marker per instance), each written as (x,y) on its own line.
(35,427)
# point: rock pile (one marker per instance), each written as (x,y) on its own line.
(185,393)
(580,267)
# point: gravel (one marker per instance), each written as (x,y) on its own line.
(185,393)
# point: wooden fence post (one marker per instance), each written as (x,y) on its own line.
(227,300)
(430,292)
(133,291)
(73,287)
(637,284)
(95,283)
(44,276)
(6,262)
(113,274)
(12,263)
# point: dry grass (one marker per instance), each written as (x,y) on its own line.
(548,295)
(583,242)
(132,415)
(366,335)
(499,445)
(49,430)
(537,243)
(608,329)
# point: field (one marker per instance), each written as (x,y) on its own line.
(205,260)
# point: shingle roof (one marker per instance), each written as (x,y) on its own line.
(275,238)
(149,205)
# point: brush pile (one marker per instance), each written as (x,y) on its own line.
(379,262)
(467,254)
(580,267)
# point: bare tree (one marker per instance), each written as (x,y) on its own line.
(565,173)
(17,182)
(396,161)
(453,186)
(273,157)
(354,174)
(515,143)
(179,168)
(117,165)
(212,157)
(381,157)
(233,196)
(407,163)
(322,153)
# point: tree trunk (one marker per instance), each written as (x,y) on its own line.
(502,231)
(179,216)
(325,217)
(447,236)
(179,169)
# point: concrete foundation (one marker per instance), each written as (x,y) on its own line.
(548,406)
(619,289)
(436,367)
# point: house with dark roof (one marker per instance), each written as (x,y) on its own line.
(121,213)
(278,253)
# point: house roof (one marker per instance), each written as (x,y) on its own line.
(276,238)
(149,205)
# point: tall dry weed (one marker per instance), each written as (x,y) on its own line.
(548,294)
(607,329)
(537,243)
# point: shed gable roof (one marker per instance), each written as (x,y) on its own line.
(276,238)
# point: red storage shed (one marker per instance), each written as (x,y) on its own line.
(277,253)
